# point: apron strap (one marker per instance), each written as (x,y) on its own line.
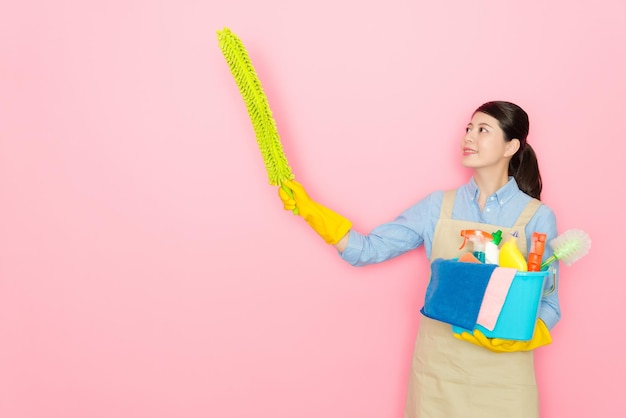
(527,214)
(447,204)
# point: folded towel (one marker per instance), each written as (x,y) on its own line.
(495,295)
(455,291)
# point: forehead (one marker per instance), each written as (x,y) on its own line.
(479,118)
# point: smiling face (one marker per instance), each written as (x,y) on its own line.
(484,144)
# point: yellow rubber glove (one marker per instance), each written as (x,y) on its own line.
(540,337)
(328,224)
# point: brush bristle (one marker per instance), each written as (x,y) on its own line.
(258,108)
(571,245)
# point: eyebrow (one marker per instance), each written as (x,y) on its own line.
(480,124)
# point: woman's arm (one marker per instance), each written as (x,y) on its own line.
(382,243)
(342,244)
(545,221)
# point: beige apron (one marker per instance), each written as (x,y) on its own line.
(451,378)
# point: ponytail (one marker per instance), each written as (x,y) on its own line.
(525,170)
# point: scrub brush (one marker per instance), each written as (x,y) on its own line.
(568,247)
(258,108)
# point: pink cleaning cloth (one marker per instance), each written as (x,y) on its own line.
(495,295)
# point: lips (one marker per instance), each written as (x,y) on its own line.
(469,151)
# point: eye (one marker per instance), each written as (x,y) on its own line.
(483,130)
(467,130)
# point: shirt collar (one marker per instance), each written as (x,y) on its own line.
(503,195)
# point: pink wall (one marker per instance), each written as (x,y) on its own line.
(147,269)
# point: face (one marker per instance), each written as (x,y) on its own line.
(484,145)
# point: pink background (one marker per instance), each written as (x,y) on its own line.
(147,269)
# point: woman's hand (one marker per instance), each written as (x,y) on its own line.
(331,226)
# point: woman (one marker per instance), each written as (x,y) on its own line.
(449,376)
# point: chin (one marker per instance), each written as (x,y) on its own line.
(467,164)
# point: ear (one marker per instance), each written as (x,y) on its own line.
(511,147)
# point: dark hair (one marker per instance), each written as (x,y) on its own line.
(513,121)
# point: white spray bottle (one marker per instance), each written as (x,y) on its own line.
(492,248)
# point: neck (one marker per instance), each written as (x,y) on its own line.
(488,184)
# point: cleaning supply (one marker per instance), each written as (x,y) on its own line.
(468,258)
(495,296)
(328,224)
(537,247)
(258,108)
(478,239)
(519,312)
(541,337)
(568,247)
(511,256)
(455,291)
(492,248)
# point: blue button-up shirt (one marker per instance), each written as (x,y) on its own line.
(416,226)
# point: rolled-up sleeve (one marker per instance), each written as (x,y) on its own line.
(391,239)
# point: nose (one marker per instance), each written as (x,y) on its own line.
(469,136)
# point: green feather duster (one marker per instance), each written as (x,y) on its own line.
(258,107)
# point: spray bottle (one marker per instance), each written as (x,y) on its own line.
(511,256)
(537,246)
(478,238)
(492,249)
